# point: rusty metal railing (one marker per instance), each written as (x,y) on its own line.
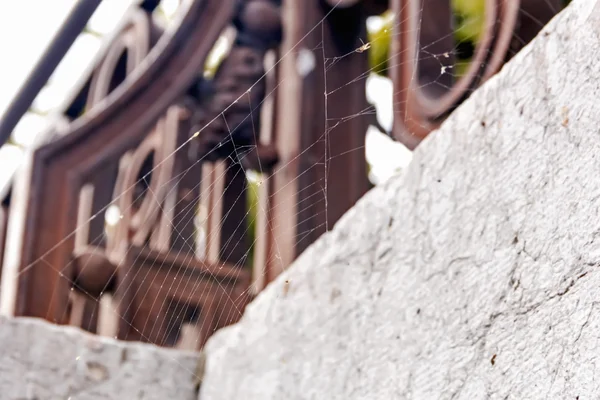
(147,135)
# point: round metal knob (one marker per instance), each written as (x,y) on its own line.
(94,273)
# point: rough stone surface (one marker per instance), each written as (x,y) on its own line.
(41,361)
(472,276)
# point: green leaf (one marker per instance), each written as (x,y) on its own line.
(470,17)
(252,204)
(380,40)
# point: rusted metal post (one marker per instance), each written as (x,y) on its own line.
(320,126)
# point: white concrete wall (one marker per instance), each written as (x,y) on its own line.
(41,361)
(473,276)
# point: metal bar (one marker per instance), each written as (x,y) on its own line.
(62,42)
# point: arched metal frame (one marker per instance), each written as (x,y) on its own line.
(425,92)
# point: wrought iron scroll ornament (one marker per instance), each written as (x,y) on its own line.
(229,135)
(229,132)
(230,124)
(426,89)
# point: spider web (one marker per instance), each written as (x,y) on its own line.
(385,158)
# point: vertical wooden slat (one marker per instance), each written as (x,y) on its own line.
(213,185)
(283,185)
(108,317)
(234,244)
(263,246)
(3,227)
(84,310)
(86,199)
(103,183)
(187,193)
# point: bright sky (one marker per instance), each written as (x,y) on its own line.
(26,34)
